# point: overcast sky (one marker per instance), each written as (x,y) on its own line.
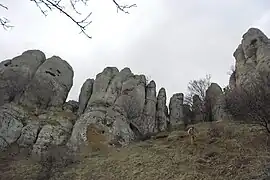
(171,42)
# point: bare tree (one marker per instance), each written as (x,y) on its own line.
(198,87)
(51,5)
(250,105)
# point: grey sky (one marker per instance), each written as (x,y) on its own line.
(172,41)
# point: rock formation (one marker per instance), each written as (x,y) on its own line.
(117,107)
(121,106)
(176,109)
(197,109)
(213,94)
(50,85)
(252,58)
(162,114)
(85,94)
(149,122)
(15,74)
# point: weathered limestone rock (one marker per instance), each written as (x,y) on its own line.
(71,106)
(197,109)
(132,99)
(149,123)
(55,132)
(16,73)
(219,109)
(50,85)
(162,115)
(252,59)
(29,134)
(11,124)
(117,101)
(101,85)
(85,94)
(213,93)
(176,109)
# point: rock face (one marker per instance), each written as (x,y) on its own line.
(176,109)
(252,58)
(115,108)
(197,109)
(85,94)
(16,73)
(188,114)
(213,93)
(162,114)
(11,124)
(50,85)
(149,123)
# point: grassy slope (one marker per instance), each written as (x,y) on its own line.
(222,151)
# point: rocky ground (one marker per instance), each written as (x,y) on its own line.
(223,150)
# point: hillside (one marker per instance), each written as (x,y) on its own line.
(223,150)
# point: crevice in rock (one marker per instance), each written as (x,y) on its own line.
(38,131)
(7,64)
(136,131)
(52,74)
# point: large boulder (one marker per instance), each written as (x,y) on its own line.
(162,114)
(15,74)
(176,109)
(50,85)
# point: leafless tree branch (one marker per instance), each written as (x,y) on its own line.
(4,21)
(55,4)
(3,6)
(123,7)
(50,5)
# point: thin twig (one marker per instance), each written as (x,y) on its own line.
(123,7)
(5,7)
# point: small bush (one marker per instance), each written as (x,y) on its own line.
(250,105)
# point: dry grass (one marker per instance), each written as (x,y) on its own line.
(222,151)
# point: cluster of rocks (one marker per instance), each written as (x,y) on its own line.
(118,106)
(115,108)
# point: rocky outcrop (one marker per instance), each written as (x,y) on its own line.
(16,73)
(176,109)
(55,131)
(149,123)
(162,114)
(50,85)
(252,58)
(213,94)
(85,94)
(115,108)
(197,109)
(11,124)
